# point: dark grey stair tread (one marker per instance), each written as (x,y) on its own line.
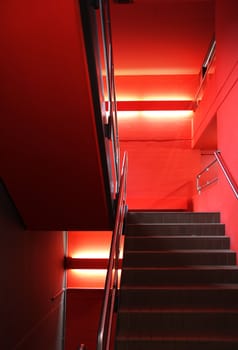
(176,287)
(160,216)
(169,296)
(176,242)
(193,267)
(179,311)
(155,343)
(180,275)
(217,338)
(179,237)
(179,258)
(178,322)
(175,229)
(183,251)
(179,284)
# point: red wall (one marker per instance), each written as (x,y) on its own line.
(85,288)
(47,118)
(224,104)
(31,275)
(82,320)
(161,177)
(88,245)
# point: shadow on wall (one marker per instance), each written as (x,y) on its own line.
(32,278)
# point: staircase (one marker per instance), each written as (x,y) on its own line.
(179,286)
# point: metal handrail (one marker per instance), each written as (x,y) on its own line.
(205,170)
(109,66)
(218,159)
(226,173)
(111,284)
(207,64)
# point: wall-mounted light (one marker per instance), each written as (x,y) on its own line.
(161,114)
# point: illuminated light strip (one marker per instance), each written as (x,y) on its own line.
(87,263)
(91,254)
(90,272)
(168,114)
(158,105)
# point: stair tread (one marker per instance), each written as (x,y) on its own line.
(215,286)
(157,299)
(178,268)
(177,237)
(182,251)
(180,311)
(176,224)
(180,338)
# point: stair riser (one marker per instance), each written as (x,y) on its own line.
(179,286)
(163,217)
(167,243)
(175,276)
(175,229)
(159,259)
(175,345)
(177,298)
(174,324)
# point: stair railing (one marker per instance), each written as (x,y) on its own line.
(110,83)
(111,284)
(206,70)
(220,161)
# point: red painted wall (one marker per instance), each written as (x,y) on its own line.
(49,147)
(83,313)
(31,274)
(88,245)
(223,103)
(161,177)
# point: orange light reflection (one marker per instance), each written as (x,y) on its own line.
(177,114)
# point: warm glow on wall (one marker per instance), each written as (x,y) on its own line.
(88,278)
(78,278)
(164,97)
(91,254)
(88,253)
(166,114)
(91,244)
(90,273)
(155,114)
(127,114)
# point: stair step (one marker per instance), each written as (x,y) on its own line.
(179,284)
(171,296)
(178,258)
(176,242)
(180,275)
(201,229)
(177,343)
(177,322)
(135,217)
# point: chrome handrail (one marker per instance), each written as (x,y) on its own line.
(207,64)
(226,173)
(109,66)
(111,284)
(218,159)
(205,170)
